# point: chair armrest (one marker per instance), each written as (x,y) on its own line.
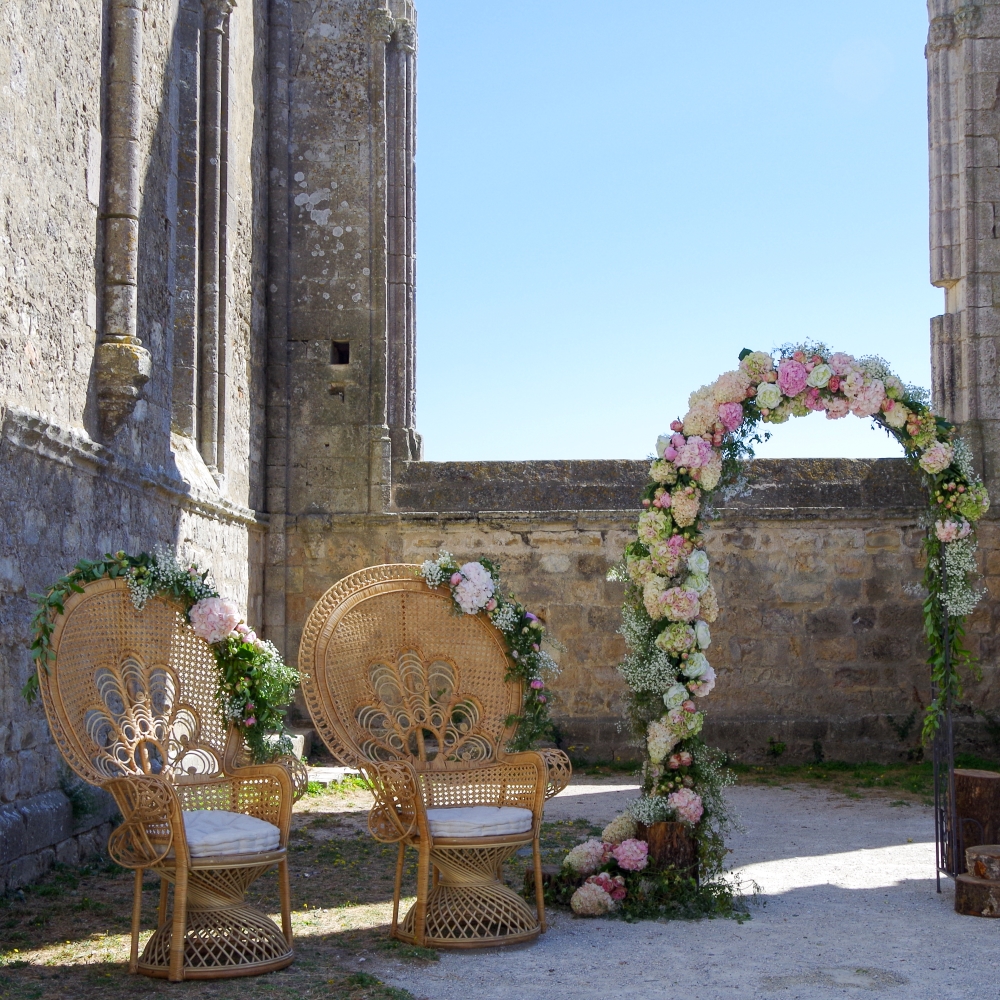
(559,769)
(152,821)
(535,759)
(265,791)
(399,808)
(297,771)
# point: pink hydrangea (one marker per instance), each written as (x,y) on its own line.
(813,400)
(474,588)
(663,558)
(791,377)
(613,885)
(680,605)
(837,407)
(213,618)
(952,531)
(694,453)
(842,364)
(937,457)
(684,505)
(687,805)
(731,415)
(632,855)
(731,387)
(868,398)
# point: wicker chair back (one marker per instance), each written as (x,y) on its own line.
(132,692)
(392,672)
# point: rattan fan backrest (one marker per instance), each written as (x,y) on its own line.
(390,672)
(131,691)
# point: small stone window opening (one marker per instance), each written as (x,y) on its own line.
(340,353)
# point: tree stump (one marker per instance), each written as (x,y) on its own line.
(670,846)
(977,807)
(977,894)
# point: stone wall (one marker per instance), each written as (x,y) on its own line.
(68,488)
(817,564)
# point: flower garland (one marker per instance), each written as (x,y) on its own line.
(254,682)
(670,602)
(475,588)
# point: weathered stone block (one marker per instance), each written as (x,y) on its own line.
(13,838)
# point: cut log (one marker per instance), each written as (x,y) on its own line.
(670,845)
(977,806)
(977,897)
(984,861)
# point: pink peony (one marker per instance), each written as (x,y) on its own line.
(632,855)
(731,415)
(952,531)
(537,684)
(842,364)
(792,377)
(680,605)
(703,685)
(687,805)
(214,618)
(837,407)
(937,457)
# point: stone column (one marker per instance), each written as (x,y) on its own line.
(212,341)
(963,64)
(122,364)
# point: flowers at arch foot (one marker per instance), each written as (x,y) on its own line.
(476,588)
(255,684)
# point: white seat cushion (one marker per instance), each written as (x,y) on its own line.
(478,821)
(214,831)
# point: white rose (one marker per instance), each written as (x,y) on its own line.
(695,665)
(768,395)
(703,634)
(819,376)
(675,696)
(662,442)
(698,562)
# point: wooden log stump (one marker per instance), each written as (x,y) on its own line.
(977,807)
(670,845)
(984,861)
(977,897)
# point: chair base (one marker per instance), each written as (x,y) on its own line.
(470,907)
(220,944)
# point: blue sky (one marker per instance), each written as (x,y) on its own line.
(613,200)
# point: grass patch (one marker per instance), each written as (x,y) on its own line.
(906,781)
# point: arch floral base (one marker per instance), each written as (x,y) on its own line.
(670,602)
(254,682)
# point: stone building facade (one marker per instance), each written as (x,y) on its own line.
(207,341)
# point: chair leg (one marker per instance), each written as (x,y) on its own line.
(286,901)
(420,917)
(179,930)
(539,889)
(398,888)
(161,912)
(133,959)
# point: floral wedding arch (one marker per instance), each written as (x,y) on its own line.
(670,603)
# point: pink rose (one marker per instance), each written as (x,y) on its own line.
(213,618)
(632,855)
(687,805)
(676,425)
(731,415)
(491,604)
(614,886)
(250,636)
(669,453)
(792,377)
(537,684)
(456,579)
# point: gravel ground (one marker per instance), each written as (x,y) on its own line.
(848,908)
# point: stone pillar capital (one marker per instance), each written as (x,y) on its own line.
(405,35)
(216,12)
(381,25)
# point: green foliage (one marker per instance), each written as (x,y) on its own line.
(902,729)
(818,754)
(774,748)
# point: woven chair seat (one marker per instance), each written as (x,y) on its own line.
(478,821)
(212,832)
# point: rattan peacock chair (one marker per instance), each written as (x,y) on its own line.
(130,699)
(414,694)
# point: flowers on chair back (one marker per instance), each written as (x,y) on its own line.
(475,588)
(254,682)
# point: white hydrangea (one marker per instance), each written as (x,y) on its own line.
(697,582)
(620,828)
(475,588)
